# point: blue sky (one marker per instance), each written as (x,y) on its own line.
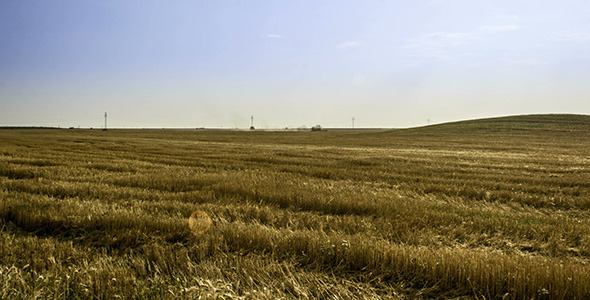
(290,63)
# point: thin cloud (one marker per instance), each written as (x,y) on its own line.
(438,45)
(274,36)
(508,17)
(501,28)
(346,45)
(526,62)
(572,36)
(529,62)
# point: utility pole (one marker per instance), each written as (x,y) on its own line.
(352,122)
(252,122)
(105,121)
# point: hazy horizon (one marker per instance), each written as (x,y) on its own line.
(187,64)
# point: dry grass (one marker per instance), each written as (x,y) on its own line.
(486,209)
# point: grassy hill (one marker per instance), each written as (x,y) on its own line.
(494,208)
(525,132)
(547,122)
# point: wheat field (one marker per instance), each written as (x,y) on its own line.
(485,209)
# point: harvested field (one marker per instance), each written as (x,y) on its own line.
(493,208)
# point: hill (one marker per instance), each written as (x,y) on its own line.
(545,122)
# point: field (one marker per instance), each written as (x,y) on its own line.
(492,208)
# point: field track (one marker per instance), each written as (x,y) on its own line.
(491,208)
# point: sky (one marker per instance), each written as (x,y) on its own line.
(214,64)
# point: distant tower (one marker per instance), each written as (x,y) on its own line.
(352,122)
(252,123)
(105,121)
